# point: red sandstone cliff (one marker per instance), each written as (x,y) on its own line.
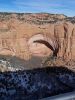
(16,30)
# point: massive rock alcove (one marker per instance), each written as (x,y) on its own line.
(40,45)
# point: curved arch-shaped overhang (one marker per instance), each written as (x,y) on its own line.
(48,42)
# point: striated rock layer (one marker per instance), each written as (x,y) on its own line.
(24,35)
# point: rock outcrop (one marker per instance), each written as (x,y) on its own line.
(65,34)
(62,40)
(16,30)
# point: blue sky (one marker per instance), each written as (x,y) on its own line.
(66,7)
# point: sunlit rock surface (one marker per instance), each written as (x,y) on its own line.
(17,29)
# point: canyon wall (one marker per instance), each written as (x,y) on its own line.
(17,30)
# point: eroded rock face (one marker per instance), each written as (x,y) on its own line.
(62,41)
(16,33)
(65,34)
(38,49)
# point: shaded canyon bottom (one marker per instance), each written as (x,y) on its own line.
(36,84)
